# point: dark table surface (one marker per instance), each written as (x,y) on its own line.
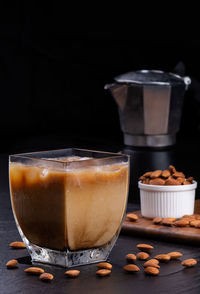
(173,277)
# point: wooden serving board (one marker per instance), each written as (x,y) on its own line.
(145,228)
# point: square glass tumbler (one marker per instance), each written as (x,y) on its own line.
(69,204)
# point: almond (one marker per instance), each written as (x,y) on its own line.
(186,183)
(131,268)
(156,174)
(142,255)
(195,223)
(166,174)
(131,257)
(189,262)
(195,216)
(175,254)
(17,245)
(163,257)
(151,263)
(147,174)
(105,265)
(145,247)
(180,180)
(172,169)
(168,221)
(46,277)
(172,219)
(132,217)
(150,270)
(72,273)
(187,216)
(157,181)
(187,219)
(190,179)
(103,272)
(146,181)
(142,178)
(34,270)
(157,220)
(178,175)
(181,223)
(153,260)
(12,263)
(171,181)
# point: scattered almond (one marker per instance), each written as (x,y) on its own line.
(153,260)
(105,265)
(163,257)
(187,219)
(103,272)
(17,245)
(12,264)
(150,270)
(34,270)
(131,268)
(168,221)
(151,263)
(172,219)
(132,217)
(157,181)
(195,223)
(189,262)
(72,273)
(145,247)
(166,173)
(142,255)
(191,217)
(131,257)
(157,220)
(187,216)
(155,174)
(192,220)
(181,223)
(175,254)
(46,277)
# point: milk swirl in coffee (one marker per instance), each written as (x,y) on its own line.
(74,209)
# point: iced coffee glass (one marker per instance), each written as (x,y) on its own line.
(69,204)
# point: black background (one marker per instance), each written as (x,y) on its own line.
(56,57)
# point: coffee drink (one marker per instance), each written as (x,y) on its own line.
(76,208)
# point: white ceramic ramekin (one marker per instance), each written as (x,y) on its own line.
(167,201)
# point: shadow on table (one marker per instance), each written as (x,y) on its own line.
(24,260)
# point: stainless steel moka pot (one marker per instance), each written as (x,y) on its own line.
(150,104)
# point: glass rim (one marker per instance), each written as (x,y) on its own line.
(89,161)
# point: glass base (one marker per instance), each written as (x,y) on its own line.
(68,258)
